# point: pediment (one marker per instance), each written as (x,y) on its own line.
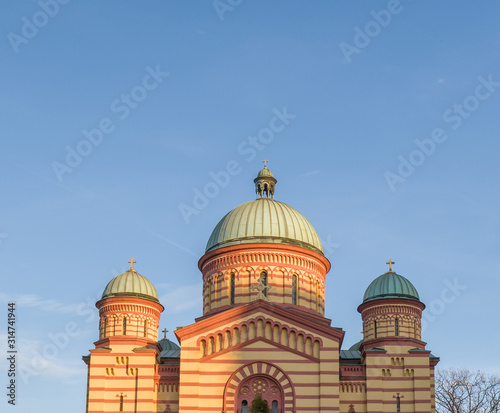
(277,315)
(263,329)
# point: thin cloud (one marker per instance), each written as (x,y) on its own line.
(310,173)
(35,301)
(182,298)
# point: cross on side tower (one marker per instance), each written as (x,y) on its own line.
(265,161)
(132,265)
(164,331)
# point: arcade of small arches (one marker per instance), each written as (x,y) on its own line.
(168,387)
(258,328)
(220,262)
(352,387)
(393,309)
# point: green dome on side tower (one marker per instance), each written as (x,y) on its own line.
(390,285)
(131,284)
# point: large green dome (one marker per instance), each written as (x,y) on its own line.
(131,284)
(390,285)
(264,220)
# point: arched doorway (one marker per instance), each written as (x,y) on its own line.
(232,402)
(266,386)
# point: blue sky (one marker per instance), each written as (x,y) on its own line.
(390,148)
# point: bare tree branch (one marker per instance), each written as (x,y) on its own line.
(463,391)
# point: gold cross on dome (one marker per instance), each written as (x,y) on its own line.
(390,262)
(132,265)
(165,331)
(265,161)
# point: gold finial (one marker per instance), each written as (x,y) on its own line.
(132,265)
(390,262)
(164,331)
(265,161)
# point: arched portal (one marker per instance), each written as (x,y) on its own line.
(275,381)
(269,389)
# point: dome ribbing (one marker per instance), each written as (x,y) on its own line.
(131,284)
(264,220)
(390,285)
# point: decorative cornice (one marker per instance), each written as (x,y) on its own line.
(391,301)
(108,342)
(129,301)
(392,341)
(265,248)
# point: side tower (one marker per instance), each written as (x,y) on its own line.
(122,369)
(399,371)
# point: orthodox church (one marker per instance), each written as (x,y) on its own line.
(262,332)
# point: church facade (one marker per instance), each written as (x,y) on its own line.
(262,332)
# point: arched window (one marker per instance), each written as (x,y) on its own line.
(218,289)
(104,327)
(317,295)
(396,327)
(209,301)
(249,286)
(398,404)
(145,328)
(274,407)
(233,288)
(121,403)
(294,289)
(244,406)
(263,275)
(375,328)
(124,326)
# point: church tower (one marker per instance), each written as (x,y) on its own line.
(263,329)
(390,370)
(122,367)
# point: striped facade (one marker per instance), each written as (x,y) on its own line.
(283,344)
(262,332)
